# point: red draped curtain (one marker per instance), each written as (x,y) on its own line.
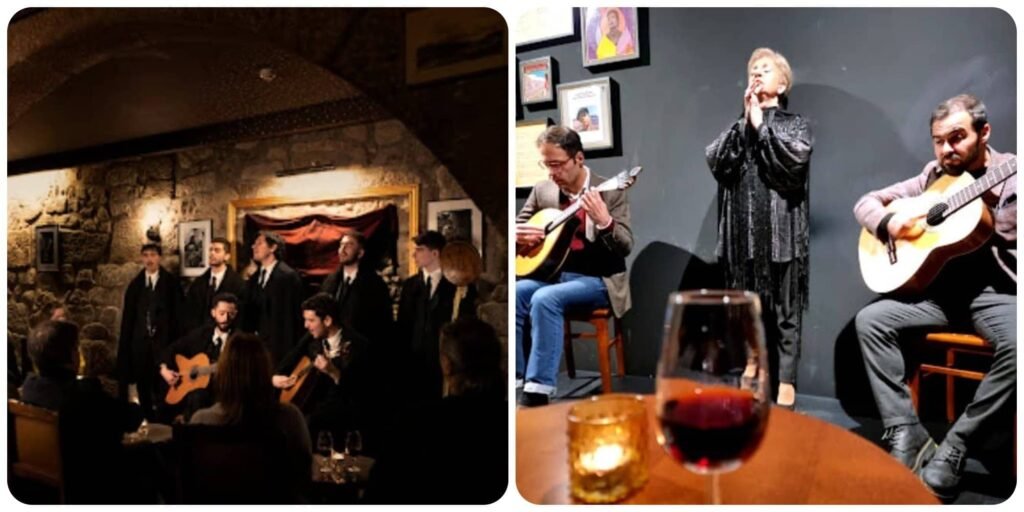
(311,241)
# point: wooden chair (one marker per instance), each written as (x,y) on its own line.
(598,318)
(953,344)
(35,452)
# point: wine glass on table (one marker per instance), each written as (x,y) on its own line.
(712,383)
(324,446)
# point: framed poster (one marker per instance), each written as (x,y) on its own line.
(540,24)
(47,249)
(536,81)
(609,34)
(445,43)
(586,107)
(194,246)
(458,219)
(528,171)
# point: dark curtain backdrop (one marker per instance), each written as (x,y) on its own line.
(311,241)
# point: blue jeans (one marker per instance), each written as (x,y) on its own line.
(546,304)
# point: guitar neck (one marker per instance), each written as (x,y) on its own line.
(571,210)
(973,191)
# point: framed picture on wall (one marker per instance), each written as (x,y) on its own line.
(194,246)
(528,172)
(458,219)
(47,249)
(609,34)
(536,80)
(544,24)
(446,43)
(586,107)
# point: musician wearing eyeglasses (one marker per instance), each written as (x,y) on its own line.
(975,292)
(593,273)
(761,162)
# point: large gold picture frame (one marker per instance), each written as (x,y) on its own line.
(410,192)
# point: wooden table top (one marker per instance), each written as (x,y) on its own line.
(801,460)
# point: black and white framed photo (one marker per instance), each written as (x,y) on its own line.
(458,219)
(194,246)
(586,107)
(47,249)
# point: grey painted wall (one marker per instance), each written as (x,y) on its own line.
(867,78)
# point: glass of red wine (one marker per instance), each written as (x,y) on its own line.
(712,384)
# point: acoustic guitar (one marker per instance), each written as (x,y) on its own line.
(193,374)
(299,392)
(544,260)
(955,224)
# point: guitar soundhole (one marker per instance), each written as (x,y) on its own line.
(935,214)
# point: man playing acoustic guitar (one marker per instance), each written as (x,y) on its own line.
(594,272)
(976,291)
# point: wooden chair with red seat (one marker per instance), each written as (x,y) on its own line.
(598,318)
(35,454)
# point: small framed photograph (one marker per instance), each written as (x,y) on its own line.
(446,43)
(458,219)
(609,34)
(536,81)
(194,246)
(528,172)
(586,107)
(544,25)
(47,248)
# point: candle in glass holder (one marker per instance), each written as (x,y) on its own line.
(607,448)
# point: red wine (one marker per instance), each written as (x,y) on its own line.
(713,429)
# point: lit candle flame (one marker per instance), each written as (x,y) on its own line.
(603,458)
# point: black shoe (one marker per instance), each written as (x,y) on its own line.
(942,474)
(533,399)
(910,444)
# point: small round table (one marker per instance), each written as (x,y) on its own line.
(801,460)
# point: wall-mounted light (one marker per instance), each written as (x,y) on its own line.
(314,166)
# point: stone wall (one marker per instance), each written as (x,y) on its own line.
(103,211)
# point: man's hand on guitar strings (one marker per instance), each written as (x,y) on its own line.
(282,381)
(529,235)
(169,375)
(595,208)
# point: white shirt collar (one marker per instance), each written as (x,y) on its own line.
(270,270)
(155,276)
(435,279)
(586,185)
(219,275)
(217,333)
(350,276)
(334,344)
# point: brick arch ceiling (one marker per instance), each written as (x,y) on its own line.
(89,84)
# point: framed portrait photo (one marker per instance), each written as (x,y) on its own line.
(586,107)
(609,34)
(536,81)
(194,246)
(457,219)
(47,249)
(528,172)
(446,43)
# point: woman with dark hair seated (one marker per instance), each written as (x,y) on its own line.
(452,450)
(246,400)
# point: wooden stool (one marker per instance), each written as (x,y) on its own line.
(953,344)
(599,319)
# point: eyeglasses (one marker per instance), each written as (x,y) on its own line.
(553,164)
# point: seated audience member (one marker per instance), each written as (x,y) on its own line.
(92,423)
(452,450)
(246,398)
(98,363)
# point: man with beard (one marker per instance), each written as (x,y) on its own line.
(219,278)
(974,291)
(208,339)
(364,301)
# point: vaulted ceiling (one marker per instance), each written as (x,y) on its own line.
(92,84)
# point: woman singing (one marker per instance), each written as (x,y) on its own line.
(761,164)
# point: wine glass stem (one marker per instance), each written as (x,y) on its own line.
(714,493)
